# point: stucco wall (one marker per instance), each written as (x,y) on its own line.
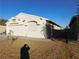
(56,27)
(26,25)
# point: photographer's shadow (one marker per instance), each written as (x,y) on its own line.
(24,52)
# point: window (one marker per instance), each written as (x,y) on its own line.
(40,18)
(38,24)
(13,20)
(25,25)
(13,23)
(33,21)
(23,21)
(18,19)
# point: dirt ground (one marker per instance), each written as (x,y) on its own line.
(39,49)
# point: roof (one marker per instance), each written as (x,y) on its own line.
(23,15)
(53,23)
(29,15)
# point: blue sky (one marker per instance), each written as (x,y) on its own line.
(59,11)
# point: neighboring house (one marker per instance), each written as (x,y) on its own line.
(74,27)
(30,26)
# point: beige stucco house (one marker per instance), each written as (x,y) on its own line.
(30,26)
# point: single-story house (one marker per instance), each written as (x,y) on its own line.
(30,26)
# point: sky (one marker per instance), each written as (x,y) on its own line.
(59,11)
